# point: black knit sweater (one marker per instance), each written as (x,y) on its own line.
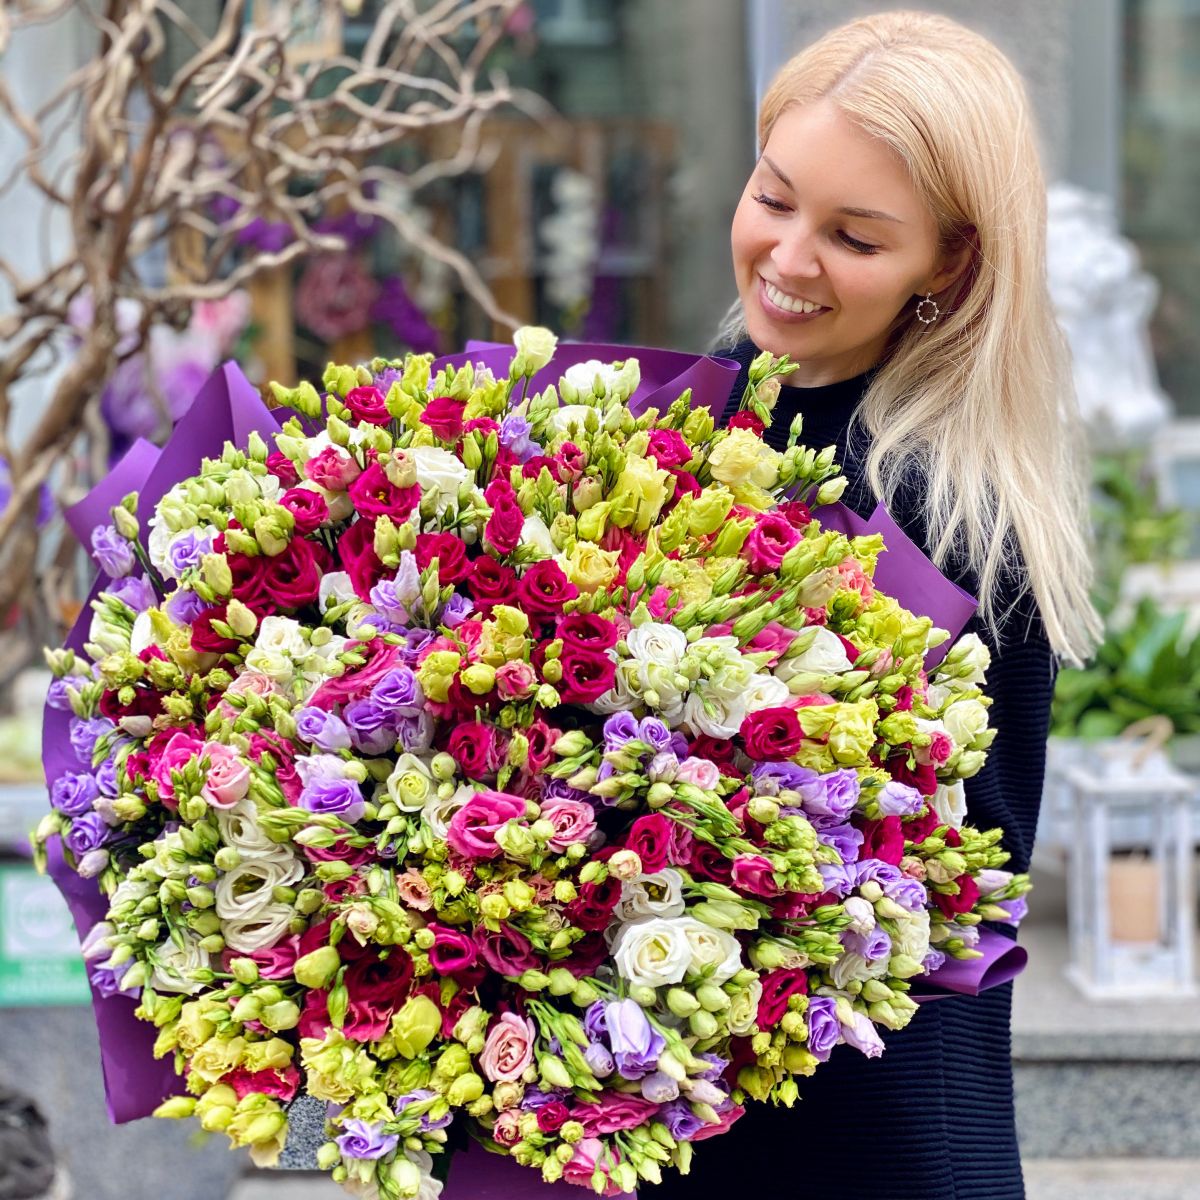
(933,1118)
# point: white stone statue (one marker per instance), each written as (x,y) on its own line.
(1104,300)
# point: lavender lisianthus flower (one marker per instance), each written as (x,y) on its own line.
(871,946)
(595,1022)
(678,745)
(74,793)
(680,1120)
(343,797)
(896,799)
(830,798)
(837,879)
(84,733)
(184,606)
(933,959)
(845,839)
(416,641)
(560,789)
(87,832)
(716,1066)
(106,778)
(325,730)
(107,980)
(186,549)
(456,610)
(415,734)
(112,552)
(396,597)
(659,1087)
(398,693)
(1017,909)
(134,590)
(772,778)
(56,694)
(654,732)
(427,1122)
(372,729)
(363,1139)
(824,1029)
(514,433)
(600,1059)
(620,728)
(636,1044)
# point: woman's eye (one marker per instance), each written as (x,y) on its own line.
(768,202)
(857,246)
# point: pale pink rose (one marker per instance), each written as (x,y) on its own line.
(228,777)
(333,468)
(249,683)
(699,771)
(573,821)
(938,750)
(506,1131)
(515,680)
(854,579)
(588,1152)
(508,1049)
(414,891)
(176,755)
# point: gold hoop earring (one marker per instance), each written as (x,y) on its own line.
(923,310)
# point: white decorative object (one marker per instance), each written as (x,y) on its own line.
(1104,300)
(571,239)
(1131,918)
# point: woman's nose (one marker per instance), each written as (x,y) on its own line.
(795,256)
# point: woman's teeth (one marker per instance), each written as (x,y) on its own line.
(789,303)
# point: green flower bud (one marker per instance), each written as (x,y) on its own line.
(317,968)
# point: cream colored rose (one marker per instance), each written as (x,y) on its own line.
(741,457)
(653,953)
(712,948)
(950,803)
(825,656)
(965,720)
(765,691)
(589,568)
(411,784)
(656,895)
(535,347)
(910,935)
(174,963)
(440,474)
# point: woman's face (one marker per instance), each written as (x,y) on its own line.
(830,223)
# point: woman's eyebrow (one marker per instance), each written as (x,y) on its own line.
(867,214)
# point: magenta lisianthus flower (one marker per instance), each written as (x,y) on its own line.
(766,544)
(472,830)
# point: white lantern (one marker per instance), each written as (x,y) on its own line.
(1131,896)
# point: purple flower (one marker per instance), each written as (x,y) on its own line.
(325,730)
(85,733)
(655,734)
(560,789)
(716,1065)
(107,980)
(106,778)
(680,1120)
(824,1029)
(845,839)
(365,1140)
(73,793)
(830,798)
(186,549)
(620,728)
(1017,909)
(56,694)
(112,552)
(397,693)
(184,606)
(933,959)
(514,433)
(837,879)
(456,610)
(87,832)
(396,596)
(340,796)
(659,1087)
(371,729)
(417,639)
(415,734)
(136,592)
(535,1098)
(595,1023)
(871,946)
(599,1059)
(636,1044)
(896,799)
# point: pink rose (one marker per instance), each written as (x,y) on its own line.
(613,1112)
(444,416)
(333,469)
(854,579)
(503,529)
(282,1085)
(176,755)
(228,777)
(770,539)
(275,962)
(308,508)
(937,752)
(573,821)
(472,830)
(249,683)
(506,1131)
(754,873)
(579,1171)
(727,1119)
(507,951)
(700,771)
(368,404)
(508,1049)
(669,448)
(515,680)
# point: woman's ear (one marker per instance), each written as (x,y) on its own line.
(956,262)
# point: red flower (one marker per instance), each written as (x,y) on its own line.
(444,416)
(307,507)
(450,552)
(552,1116)
(491,582)
(778,986)
(968,896)
(586,631)
(503,530)
(368,404)
(356,550)
(721,751)
(772,734)
(375,495)
(710,863)
(205,639)
(586,675)
(883,839)
(796,513)
(293,578)
(592,908)
(472,745)
(544,589)
(376,987)
(922,776)
(668,448)
(746,420)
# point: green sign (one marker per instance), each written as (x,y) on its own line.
(40,962)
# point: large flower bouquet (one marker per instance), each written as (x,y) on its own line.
(494,761)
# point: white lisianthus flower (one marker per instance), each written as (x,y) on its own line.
(653,953)
(411,784)
(826,656)
(440,474)
(437,812)
(765,691)
(937,694)
(950,803)
(910,935)
(743,1009)
(582,377)
(174,963)
(240,829)
(656,895)
(278,646)
(712,947)
(142,636)
(622,696)
(336,587)
(861,913)
(713,715)
(654,642)
(975,655)
(851,967)
(158,543)
(964,721)
(536,534)
(535,348)
(251,918)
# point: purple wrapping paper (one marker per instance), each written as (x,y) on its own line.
(127,476)
(904,572)
(1003,960)
(479,1174)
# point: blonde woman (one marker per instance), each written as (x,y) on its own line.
(891,241)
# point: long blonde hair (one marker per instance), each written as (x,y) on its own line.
(980,404)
